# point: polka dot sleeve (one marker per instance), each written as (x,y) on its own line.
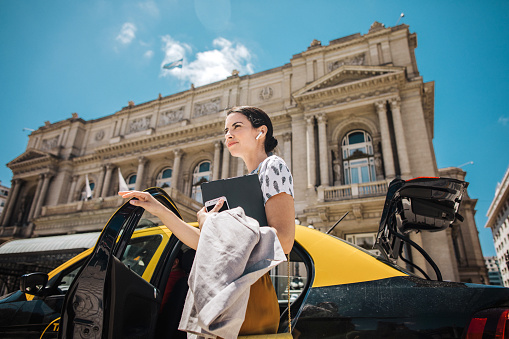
(275,178)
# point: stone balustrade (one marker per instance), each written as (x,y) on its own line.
(81,206)
(353,191)
(112,202)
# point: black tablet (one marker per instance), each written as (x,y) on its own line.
(241,191)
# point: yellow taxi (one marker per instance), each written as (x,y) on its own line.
(334,289)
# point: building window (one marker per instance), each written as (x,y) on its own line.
(358,159)
(201,174)
(131,182)
(364,240)
(164,178)
(84,191)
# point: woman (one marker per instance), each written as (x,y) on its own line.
(249,135)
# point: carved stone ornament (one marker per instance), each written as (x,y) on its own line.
(99,135)
(315,43)
(171,116)
(206,108)
(140,124)
(49,144)
(376,26)
(266,93)
(356,60)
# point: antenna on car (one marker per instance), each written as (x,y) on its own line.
(337,222)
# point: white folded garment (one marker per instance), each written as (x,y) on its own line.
(232,254)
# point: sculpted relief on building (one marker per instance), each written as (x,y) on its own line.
(353,60)
(139,124)
(171,116)
(349,116)
(206,108)
(49,144)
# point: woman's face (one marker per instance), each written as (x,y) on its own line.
(240,135)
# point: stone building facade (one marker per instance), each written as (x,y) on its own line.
(493,271)
(350,116)
(498,221)
(4,193)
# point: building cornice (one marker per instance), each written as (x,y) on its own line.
(58,125)
(157,141)
(350,40)
(181,96)
(33,162)
(383,80)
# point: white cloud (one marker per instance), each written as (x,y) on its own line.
(149,54)
(503,120)
(149,7)
(127,33)
(208,66)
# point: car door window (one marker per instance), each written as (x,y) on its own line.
(140,251)
(292,283)
(67,279)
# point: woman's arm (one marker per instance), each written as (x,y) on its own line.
(280,211)
(188,234)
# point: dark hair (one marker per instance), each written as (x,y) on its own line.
(258,118)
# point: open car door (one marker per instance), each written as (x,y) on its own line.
(107,299)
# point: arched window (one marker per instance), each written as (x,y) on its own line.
(84,190)
(201,174)
(358,159)
(131,182)
(164,178)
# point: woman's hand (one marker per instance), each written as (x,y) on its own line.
(188,234)
(203,214)
(145,200)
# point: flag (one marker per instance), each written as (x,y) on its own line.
(87,188)
(174,64)
(122,186)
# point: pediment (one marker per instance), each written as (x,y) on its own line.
(29,156)
(348,75)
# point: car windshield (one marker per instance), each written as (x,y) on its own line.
(377,257)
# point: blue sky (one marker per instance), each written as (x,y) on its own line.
(92,57)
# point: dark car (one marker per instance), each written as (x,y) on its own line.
(336,289)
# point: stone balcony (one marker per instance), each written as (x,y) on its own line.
(92,215)
(353,191)
(82,206)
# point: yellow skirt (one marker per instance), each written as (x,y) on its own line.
(262,314)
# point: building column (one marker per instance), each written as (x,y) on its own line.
(139,174)
(36,197)
(176,167)
(16,183)
(42,196)
(400,138)
(217,157)
(388,157)
(99,187)
(287,149)
(311,152)
(240,167)
(72,191)
(107,180)
(225,170)
(324,156)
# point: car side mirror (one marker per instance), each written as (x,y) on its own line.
(33,283)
